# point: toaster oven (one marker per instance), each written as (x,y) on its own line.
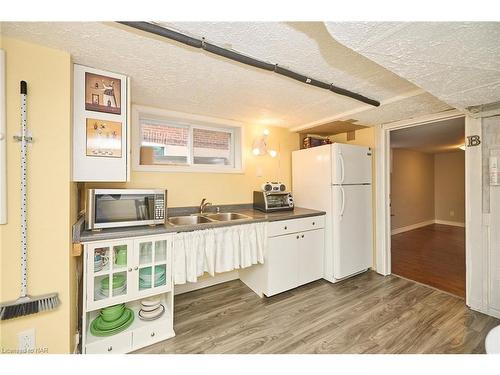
(268,201)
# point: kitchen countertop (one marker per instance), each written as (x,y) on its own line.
(81,235)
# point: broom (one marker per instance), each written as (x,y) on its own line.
(25,304)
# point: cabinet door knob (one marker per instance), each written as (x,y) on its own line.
(302,236)
(136,268)
(130,270)
(152,334)
(110,348)
(286,227)
(297,237)
(314,223)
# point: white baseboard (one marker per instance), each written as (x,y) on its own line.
(425,223)
(206,281)
(411,227)
(452,223)
(493,312)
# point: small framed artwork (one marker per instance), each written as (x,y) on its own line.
(104,138)
(102,93)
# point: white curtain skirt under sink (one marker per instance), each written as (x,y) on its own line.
(217,250)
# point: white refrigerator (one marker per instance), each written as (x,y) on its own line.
(337,179)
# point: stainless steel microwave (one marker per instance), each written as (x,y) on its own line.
(112,208)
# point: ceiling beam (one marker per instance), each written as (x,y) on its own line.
(167,33)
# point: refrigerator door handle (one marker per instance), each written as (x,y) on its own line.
(343,202)
(342,168)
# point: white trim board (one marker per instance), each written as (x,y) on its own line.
(412,227)
(424,224)
(451,223)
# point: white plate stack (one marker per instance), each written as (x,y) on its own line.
(151,309)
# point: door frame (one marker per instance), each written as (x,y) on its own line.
(473,198)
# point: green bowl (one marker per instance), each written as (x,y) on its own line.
(112,313)
(118,307)
(118,281)
(102,325)
(96,330)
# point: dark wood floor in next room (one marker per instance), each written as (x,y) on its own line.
(368,313)
(433,255)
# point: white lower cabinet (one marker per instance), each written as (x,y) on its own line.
(294,257)
(282,264)
(118,344)
(310,256)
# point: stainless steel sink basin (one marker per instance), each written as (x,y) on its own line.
(189,220)
(227,216)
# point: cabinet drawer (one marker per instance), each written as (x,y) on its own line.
(118,344)
(151,333)
(280,228)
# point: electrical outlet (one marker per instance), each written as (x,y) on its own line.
(27,341)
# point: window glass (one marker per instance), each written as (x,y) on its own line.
(164,144)
(212,147)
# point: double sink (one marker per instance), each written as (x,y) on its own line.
(206,218)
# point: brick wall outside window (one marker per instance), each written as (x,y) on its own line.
(176,136)
(166,135)
(211,139)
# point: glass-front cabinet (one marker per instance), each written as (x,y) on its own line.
(123,269)
(107,272)
(153,258)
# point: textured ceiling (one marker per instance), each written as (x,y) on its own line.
(173,76)
(458,62)
(442,136)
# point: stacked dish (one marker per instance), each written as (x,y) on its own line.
(119,285)
(98,265)
(145,277)
(112,320)
(151,309)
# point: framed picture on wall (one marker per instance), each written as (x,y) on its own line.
(104,138)
(102,93)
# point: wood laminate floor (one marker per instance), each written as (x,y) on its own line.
(433,255)
(368,313)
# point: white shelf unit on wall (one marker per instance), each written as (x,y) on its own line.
(100,99)
(127,259)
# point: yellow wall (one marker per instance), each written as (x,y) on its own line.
(50,265)
(187,189)
(365,137)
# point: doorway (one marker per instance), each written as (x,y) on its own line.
(427,204)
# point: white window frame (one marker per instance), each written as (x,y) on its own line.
(193,121)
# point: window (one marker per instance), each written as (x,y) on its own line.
(170,141)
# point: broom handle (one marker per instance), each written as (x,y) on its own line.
(24,281)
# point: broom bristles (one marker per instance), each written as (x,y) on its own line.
(28,305)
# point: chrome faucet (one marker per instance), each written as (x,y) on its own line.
(204,204)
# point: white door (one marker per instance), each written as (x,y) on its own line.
(351,164)
(152,266)
(282,264)
(108,275)
(352,229)
(311,253)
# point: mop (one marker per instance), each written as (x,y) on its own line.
(25,304)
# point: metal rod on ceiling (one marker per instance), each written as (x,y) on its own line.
(236,56)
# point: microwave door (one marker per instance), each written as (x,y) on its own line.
(123,210)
